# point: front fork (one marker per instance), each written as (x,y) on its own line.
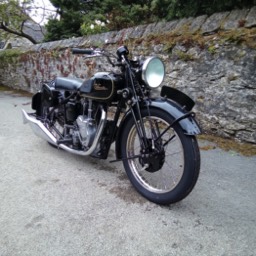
(139,124)
(146,143)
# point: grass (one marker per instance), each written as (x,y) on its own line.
(245,149)
(15,91)
(4,88)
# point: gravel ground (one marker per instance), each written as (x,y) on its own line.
(56,203)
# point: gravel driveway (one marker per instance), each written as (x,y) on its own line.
(55,203)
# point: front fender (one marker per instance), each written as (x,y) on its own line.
(181,116)
(188,124)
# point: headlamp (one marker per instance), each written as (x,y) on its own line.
(153,72)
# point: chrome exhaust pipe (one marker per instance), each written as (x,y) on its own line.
(38,128)
(41,131)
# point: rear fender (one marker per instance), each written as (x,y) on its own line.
(184,118)
(36,102)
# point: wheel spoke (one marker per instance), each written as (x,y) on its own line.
(165,179)
(167,142)
(173,175)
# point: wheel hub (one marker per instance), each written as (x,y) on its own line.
(153,158)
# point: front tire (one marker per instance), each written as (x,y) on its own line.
(174,178)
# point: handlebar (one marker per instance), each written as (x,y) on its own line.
(98,53)
(82,51)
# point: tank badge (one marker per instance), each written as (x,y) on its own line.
(99,87)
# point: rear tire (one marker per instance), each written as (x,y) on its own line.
(178,174)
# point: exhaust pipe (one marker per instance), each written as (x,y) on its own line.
(41,131)
(38,128)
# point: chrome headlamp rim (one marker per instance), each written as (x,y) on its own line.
(145,69)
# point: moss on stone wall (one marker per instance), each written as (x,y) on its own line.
(10,56)
(239,36)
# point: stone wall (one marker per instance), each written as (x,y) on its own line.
(212,59)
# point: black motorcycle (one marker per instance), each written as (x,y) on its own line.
(154,137)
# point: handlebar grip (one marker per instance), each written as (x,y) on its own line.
(82,51)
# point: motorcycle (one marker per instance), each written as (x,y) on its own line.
(155,137)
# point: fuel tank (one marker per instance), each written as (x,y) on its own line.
(102,86)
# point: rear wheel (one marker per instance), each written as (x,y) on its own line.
(168,169)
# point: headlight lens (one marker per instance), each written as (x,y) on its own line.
(153,72)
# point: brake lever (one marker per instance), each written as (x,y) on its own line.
(91,56)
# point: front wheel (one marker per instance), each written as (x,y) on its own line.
(167,170)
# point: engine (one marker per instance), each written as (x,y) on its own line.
(82,126)
(86,131)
